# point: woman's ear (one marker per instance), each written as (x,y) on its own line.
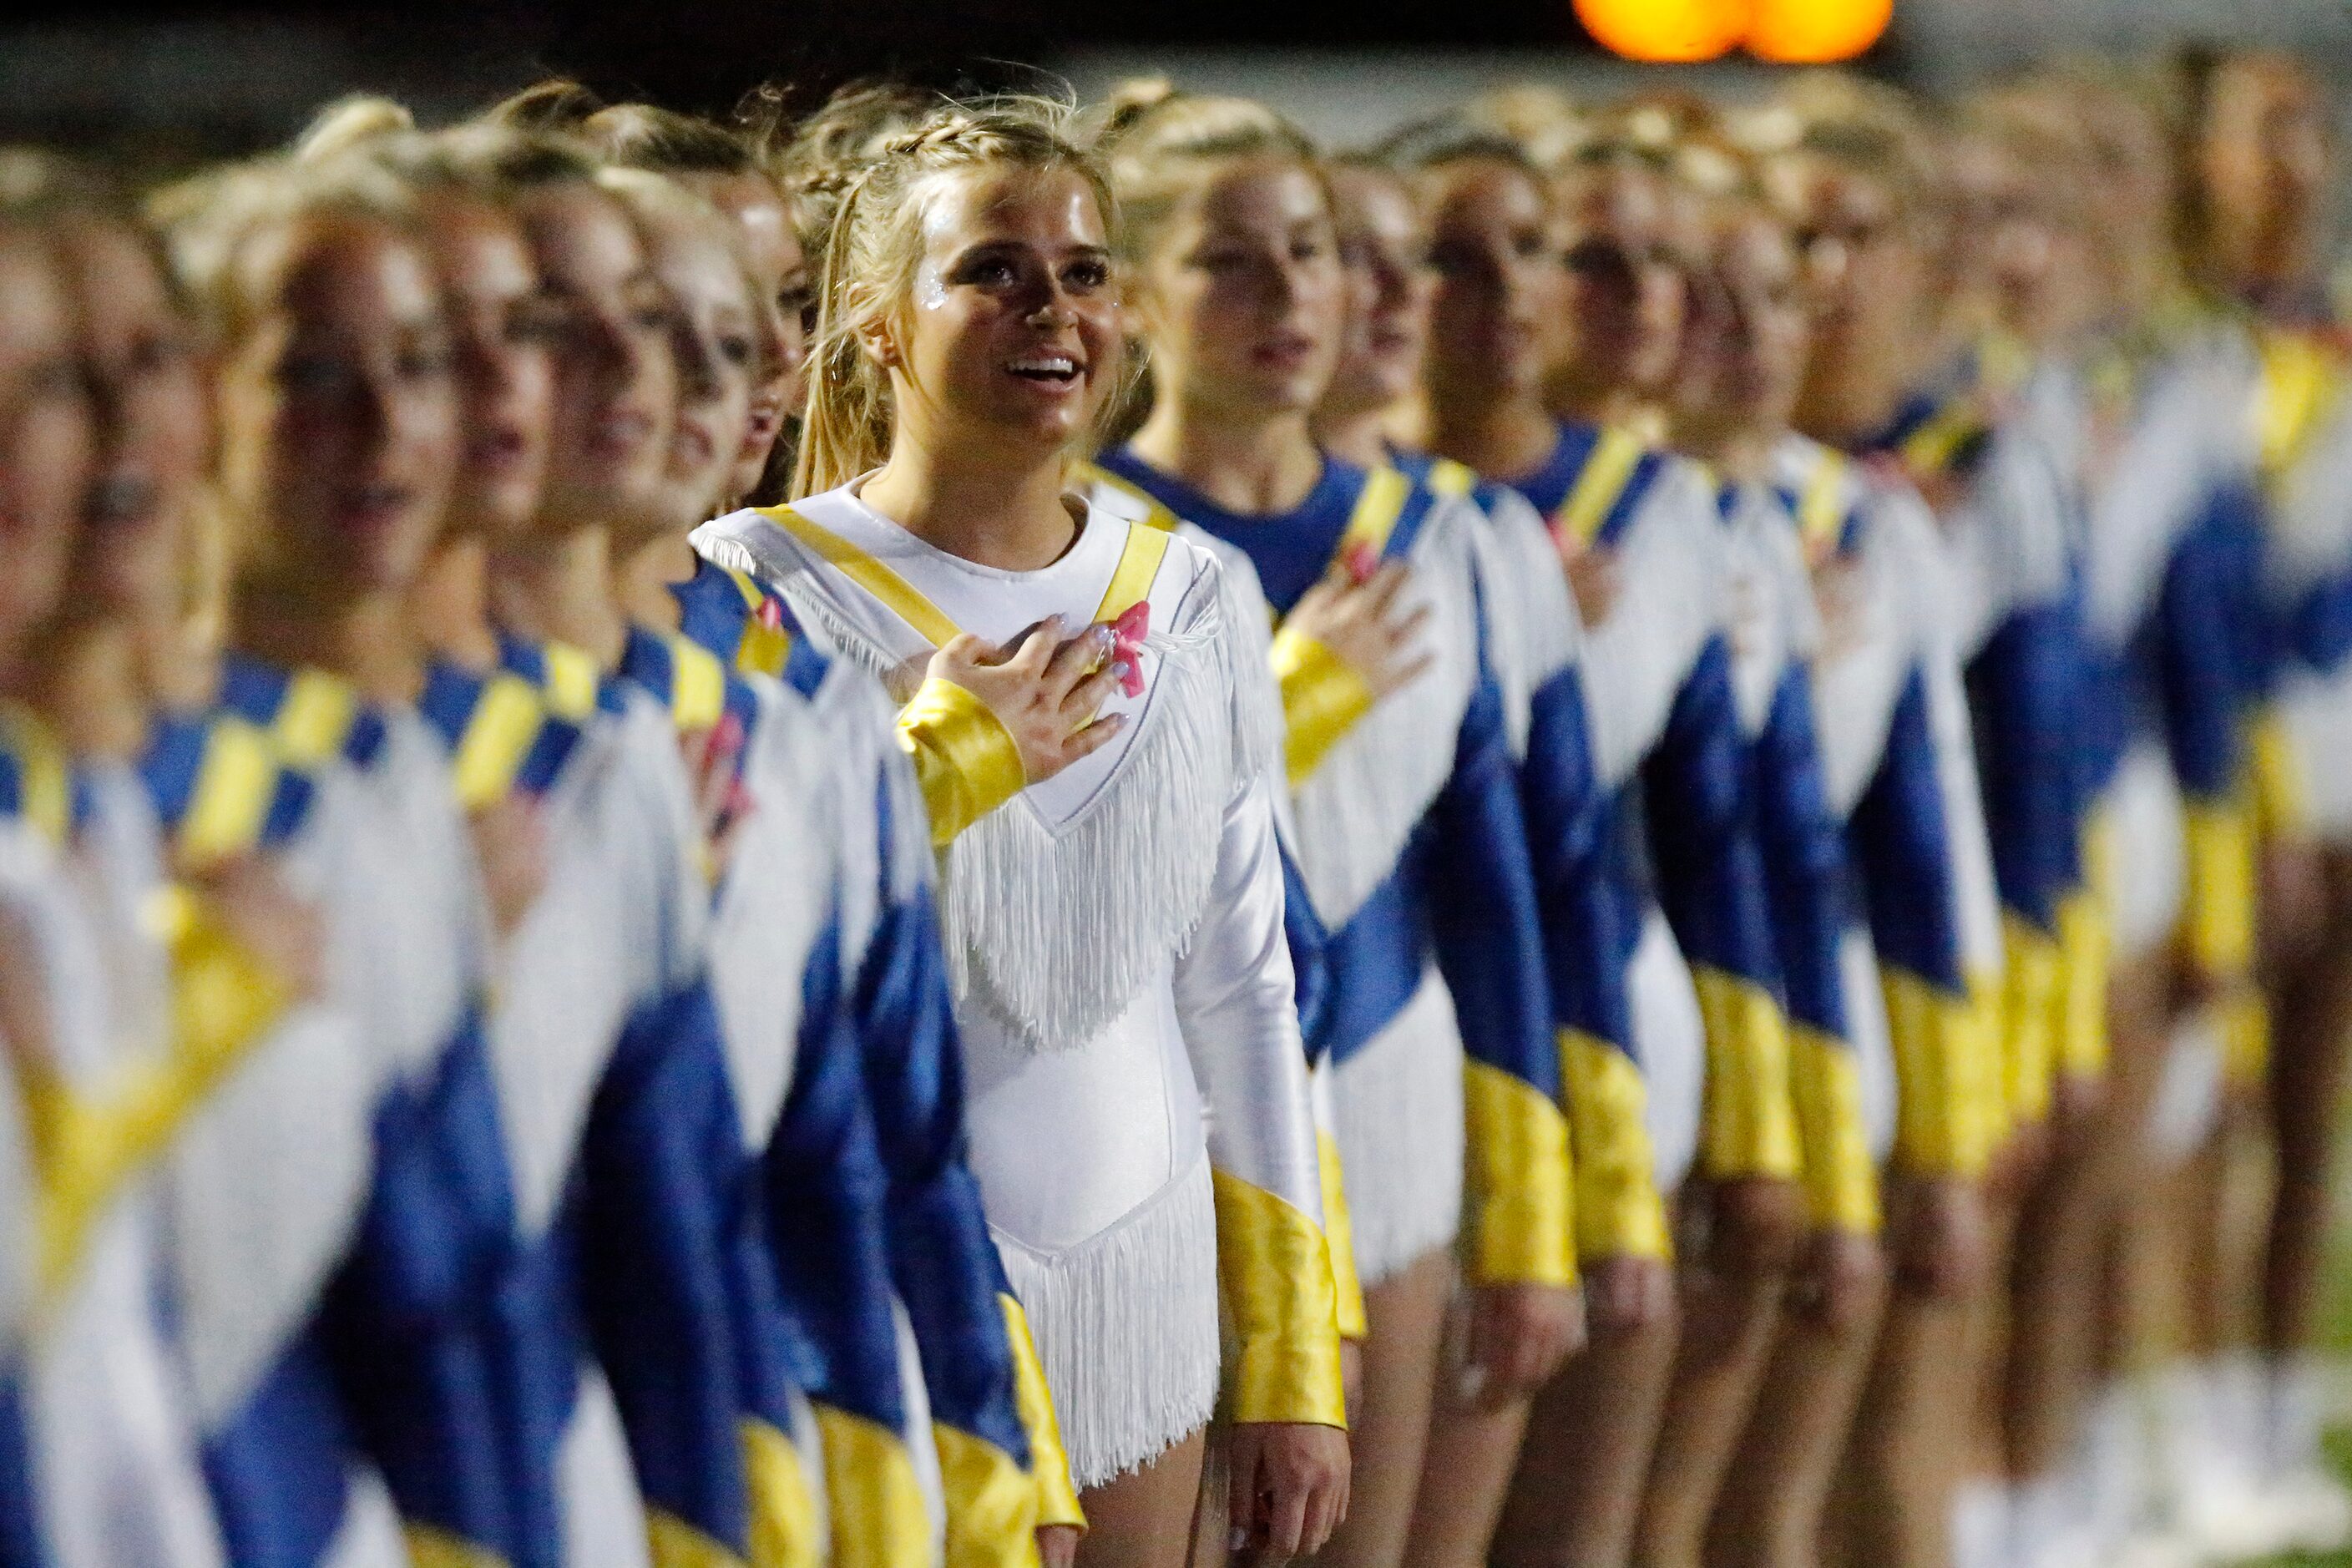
(881,345)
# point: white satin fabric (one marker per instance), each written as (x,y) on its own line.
(1673,594)
(1093,1144)
(621,920)
(111,1423)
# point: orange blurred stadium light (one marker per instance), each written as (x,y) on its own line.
(1794,32)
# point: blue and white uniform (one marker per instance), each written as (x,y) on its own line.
(1412,852)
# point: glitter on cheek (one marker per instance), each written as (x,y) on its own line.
(931,287)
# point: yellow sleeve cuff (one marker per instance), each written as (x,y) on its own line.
(2084,947)
(2220,926)
(1049,1462)
(965,757)
(784,1532)
(1748,1125)
(1946,1084)
(876,1503)
(1521,1229)
(1322,697)
(2245,1038)
(1841,1179)
(1619,1211)
(991,1505)
(2281,797)
(1274,1274)
(2032,966)
(1340,1232)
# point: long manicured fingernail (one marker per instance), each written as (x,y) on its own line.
(1119,669)
(1104,639)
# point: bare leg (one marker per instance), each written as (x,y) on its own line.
(1389,1433)
(1895,1508)
(1728,1332)
(1142,1519)
(2314,1025)
(2062,1245)
(1770,1513)
(1573,1500)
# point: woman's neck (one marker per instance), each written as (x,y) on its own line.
(978,507)
(450,606)
(1505,437)
(370,643)
(83,679)
(649,573)
(1358,435)
(1251,468)
(560,589)
(1734,450)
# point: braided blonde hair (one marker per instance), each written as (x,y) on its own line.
(874,244)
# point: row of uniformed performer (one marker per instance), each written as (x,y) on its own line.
(1312,780)
(485,1084)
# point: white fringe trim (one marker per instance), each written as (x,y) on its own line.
(1126,1328)
(1054,930)
(1358,809)
(1397,1112)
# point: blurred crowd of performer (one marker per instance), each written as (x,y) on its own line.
(990,832)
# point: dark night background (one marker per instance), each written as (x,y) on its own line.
(169,83)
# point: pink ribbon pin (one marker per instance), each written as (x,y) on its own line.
(1127,635)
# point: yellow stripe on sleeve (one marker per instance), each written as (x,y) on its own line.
(1748,1125)
(1273,1270)
(1520,1225)
(1619,1210)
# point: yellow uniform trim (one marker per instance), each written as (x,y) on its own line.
(1274,1271)
(1841,1178)
(498,735)
(431,1548)
(1322,697)
(1519,1226)
(1339,1231)
(2300,385)
(879,1517)
(1944,1079)
(1049,1462)
(965,759)
(1606,473)
(674,1543)
(87,1145)
(2281,796)
(235,779)
(1450,479)
(2032,980)
(572,682)
(1137,568)
(1748,1125)
(1619,1211)
(313,717)
(2218,921)
(761,650)
(896,594)
(991,1505)
(2245,1020)
(2085,950)
(1374,517)
(784,1530)
(1821,510)
(45,776)
(698,696)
